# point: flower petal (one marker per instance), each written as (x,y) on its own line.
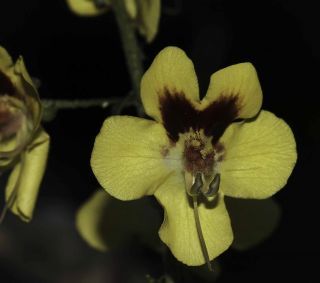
(171,72)
(127,157)
(89,218)
(148,18)
(105,222)
(5,59)
(131,7)
(260,156)
(16,81)
(26,86)
(178,230)
(238,83)
(252,220)
(26,177)
(86,7)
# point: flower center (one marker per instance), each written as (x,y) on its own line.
(201,160)
(10,117)
(14,126)
(198,154)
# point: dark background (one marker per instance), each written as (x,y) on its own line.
(82,58)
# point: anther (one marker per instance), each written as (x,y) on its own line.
(197,185)
(213,186)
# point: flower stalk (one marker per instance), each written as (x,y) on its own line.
(51,106)
(78,103)
(130,45)
(200,234)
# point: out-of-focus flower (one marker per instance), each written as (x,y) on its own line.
(23,143)
(105,222)
(144,13)
(193,148)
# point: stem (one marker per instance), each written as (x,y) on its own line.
(51,106)
(77,103)
(130,45)
(200,235)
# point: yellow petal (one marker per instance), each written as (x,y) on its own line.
(127,157)
(260,156)
(239,83)
(131,6)
(22,85)
(178,230)
(26,177)
(25,85)
(148,18)
(5,59)
(86,7)
(89,219)
(105,222)
(171,72)
(252,220)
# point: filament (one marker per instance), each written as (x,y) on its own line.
(199,231)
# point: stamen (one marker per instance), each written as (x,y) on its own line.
(196,186)
(213,186)
(199,231)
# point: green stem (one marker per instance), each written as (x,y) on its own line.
(78,103)
(130,45)
(51,106)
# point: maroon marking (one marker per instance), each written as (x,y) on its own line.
(194,161)
(219,115)
(179,115)
(219,147)
(4,115)
(219,150)
(6,86)
(164,151)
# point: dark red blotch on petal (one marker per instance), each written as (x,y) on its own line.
(179,115)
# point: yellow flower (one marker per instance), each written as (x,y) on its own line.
(23,143)
(191,147)
(144,13)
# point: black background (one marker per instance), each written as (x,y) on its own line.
(82,58)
